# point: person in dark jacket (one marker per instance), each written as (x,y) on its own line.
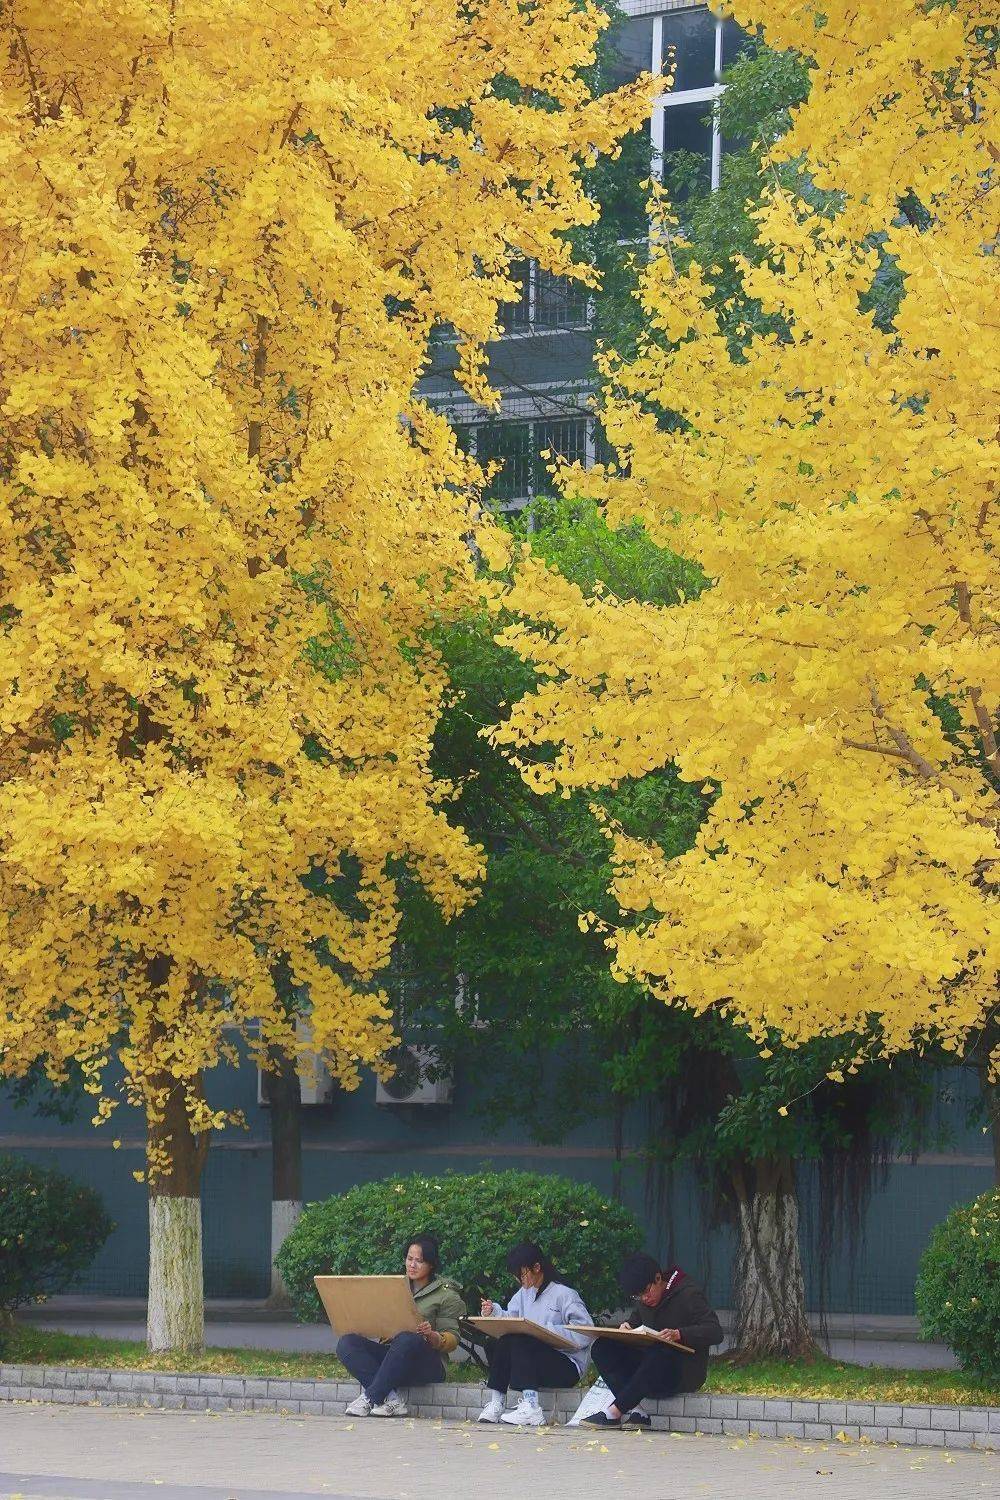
(677,1308)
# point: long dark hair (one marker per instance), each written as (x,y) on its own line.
(429,1249)
(528,1254)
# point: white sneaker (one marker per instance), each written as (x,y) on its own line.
(359,1407)
(525,1415)
(492,1411)
(392,1406)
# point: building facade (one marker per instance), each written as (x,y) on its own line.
(543,366)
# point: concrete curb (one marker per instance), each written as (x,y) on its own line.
(741,1416)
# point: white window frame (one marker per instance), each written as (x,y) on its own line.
(711,93)
(534,408)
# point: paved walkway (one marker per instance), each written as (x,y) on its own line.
(83,1453)
(249,1325)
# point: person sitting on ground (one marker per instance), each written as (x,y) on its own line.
(409,1358)
(677,1308)
(521,1362)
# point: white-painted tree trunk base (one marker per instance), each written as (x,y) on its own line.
(284,1216)
(175,1317)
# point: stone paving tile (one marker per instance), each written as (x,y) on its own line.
(190,1456)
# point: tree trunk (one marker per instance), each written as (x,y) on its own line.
(769,1288)
(175,1317)
(283,1093)
(619,1148)
(991,1100)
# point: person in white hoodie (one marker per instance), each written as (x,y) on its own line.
(521,1362)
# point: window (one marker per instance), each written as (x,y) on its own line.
(734,42)
(688,37)
(686,120)
(546,301)
(515,316)
(560,303)
(519,446)
(567,438)
(686,149)
(632,43)
(512,444)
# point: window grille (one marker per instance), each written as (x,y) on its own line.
(546,301)
(519,446)
(560,303)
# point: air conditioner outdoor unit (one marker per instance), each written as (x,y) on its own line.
(315,1083)
(418,1079)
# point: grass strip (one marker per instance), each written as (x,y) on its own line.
(801,1380)
(834,1380)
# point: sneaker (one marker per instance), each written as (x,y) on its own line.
(637,1419)
(359,1407)
(392,1406)
(492,1411)
(525,1414)
(601,1419)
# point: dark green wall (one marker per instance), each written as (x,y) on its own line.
(355,1140)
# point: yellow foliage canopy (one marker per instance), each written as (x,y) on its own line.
(226,235)
(838,682)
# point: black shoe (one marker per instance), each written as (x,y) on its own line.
(636,1421)
(601,1419)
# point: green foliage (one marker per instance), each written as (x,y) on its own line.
(958,1285)
(762,89)
(34,1090)
(572,535)
(544,1012)
(50,1230)
(476,1219)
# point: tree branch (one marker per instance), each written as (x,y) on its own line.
(876,749)
(259,371)
(991,750)
(905,748)
(36,98)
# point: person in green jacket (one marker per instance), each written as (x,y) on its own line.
(409,1358)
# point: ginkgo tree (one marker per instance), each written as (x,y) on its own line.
(226,524)
(835,687)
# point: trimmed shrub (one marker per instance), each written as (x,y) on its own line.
(958,1285)
(476,1218)
(50,1230)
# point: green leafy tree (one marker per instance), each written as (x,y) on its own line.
(519,991)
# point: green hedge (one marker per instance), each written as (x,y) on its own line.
(476,1218)
(50,1230)
(958,1286)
